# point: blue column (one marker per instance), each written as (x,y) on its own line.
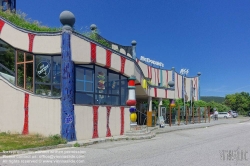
(67,100)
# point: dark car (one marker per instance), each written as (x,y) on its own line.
(248,114)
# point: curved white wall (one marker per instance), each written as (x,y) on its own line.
(44,113)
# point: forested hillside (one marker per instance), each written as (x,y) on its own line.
(213,98)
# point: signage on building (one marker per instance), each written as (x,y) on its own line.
(43,69)
(184,72)
(142,58)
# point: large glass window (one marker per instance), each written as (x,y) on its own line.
(100,86)
(48,75)
(24,74)
(7,62)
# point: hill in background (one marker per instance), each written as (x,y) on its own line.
(213,98)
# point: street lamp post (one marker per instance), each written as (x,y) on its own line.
(184,73)
(199,85)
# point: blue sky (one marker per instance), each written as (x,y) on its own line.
(211,37)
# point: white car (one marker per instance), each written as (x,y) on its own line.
(224,115)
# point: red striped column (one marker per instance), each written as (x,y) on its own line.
(26,114)
(1,25)
(149,71)
(95,122)
(155,90)
(108,58)
(93,52)
(123,60)
(108,133)
(122,120)
(31,41)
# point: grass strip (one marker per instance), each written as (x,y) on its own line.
(10,141)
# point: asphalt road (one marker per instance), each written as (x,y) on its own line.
(220,145)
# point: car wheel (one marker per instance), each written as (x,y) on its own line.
(225,117)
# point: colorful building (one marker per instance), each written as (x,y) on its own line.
(66,83)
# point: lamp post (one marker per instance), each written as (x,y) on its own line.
(199,85)
(172,103)
(184,73)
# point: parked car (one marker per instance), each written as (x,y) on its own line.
(224,115)
(234,114)
(248,114)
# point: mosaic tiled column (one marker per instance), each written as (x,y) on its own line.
(68,122)
(67,82)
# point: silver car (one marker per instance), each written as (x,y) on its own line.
(234,114)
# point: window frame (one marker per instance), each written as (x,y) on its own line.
(107,87)
(84,79)
(24,63)
(52,72)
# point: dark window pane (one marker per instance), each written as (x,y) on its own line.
(7,56)
(7,74)
(114,84)
(113,100)
(56,91)
(100,80)
(88,87)
(20,75)
(79,85)
(43,89)
(29,76)
(124,90)
(43,69)
(20,56)
(79,73)
(88,75)
(29,57)
(83,98)
(101,99)
(57,69)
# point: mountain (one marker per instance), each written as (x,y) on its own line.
(216,99)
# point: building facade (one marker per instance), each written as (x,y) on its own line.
(68,84)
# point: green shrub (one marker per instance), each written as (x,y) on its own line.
(19,19)
(76,144)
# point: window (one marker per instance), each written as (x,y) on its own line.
(124,90)
(100,86)
(7,62)
(48,75)
(84,80)
(24,74)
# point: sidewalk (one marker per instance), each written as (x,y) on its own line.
(158,130)
(167,128)
(150,132)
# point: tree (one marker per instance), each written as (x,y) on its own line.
(239,102)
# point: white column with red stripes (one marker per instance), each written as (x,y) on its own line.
(132,100)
